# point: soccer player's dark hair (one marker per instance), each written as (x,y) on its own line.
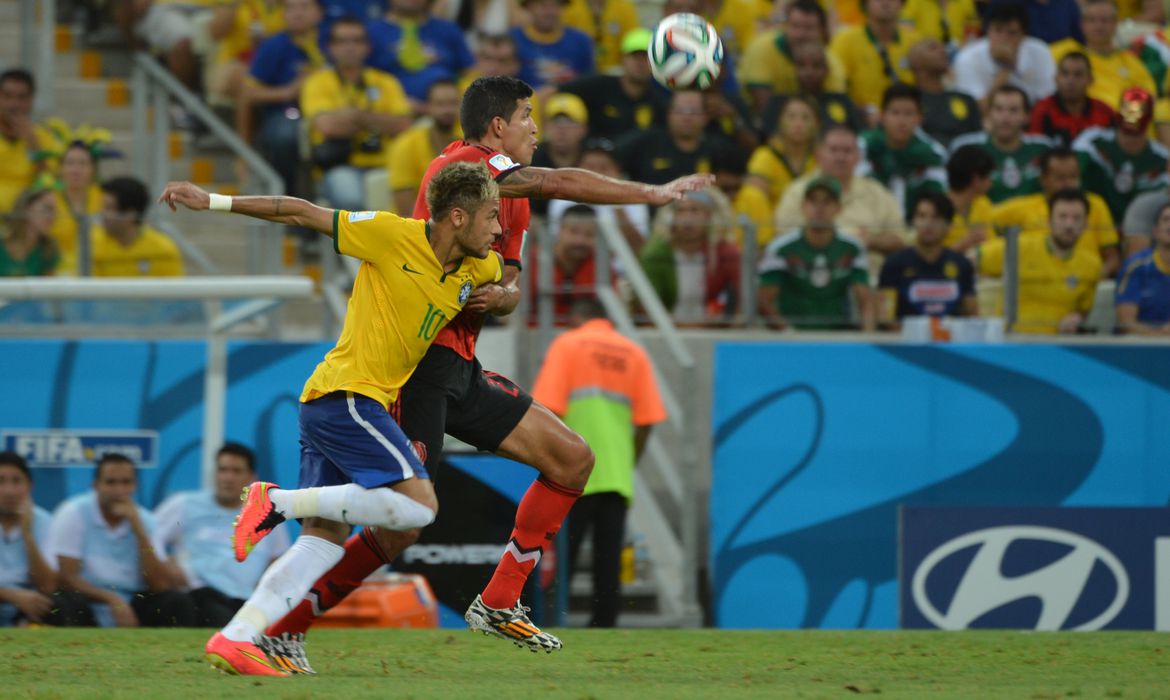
(1011,90)
(1005,12)
(19,75)
(129,194)
(348,21)
(943,207)
(1069,194)
(902,91)
(238,450)
(461,185)
(12,459)
(113,458)
(1078,56)
(1054,153)
(727,158)
(490,97)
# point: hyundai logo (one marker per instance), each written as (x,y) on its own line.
(983,588)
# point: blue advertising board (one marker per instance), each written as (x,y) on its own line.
(815,447)
(1035,568)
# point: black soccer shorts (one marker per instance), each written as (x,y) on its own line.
(448,394)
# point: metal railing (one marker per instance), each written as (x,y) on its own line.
(674,546)
(264,293)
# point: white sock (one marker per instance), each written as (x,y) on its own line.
(283,586)
(353,505)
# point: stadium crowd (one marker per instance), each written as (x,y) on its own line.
(873,152)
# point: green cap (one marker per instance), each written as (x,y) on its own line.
(827,183)
(636,40)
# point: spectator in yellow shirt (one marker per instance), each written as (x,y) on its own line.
(606,22)
(20,138)
(769,64)
(1060,169)
(79,199)
(969,171)
(737,21)
(238,27)
(950,21)
(124,246)
(729,166)
(1114,69)
(353,112)
(413,151)
(1057,280)
(875,55)
(788,154)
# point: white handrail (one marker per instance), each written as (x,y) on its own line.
(198,288)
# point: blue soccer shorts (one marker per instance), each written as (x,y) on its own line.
(350,438)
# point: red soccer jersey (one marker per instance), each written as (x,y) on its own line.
(1050,118)
(461,332)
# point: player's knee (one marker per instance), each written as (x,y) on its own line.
(393,542)
(576,463)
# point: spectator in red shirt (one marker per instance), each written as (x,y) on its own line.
(1069,111)
(574,271)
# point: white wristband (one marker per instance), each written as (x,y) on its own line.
(220,202)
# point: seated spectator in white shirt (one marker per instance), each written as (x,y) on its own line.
(195,530)
(106,552)
(27,576)
(1007,56)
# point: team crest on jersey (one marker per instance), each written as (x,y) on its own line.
(1071,281)
(501,162)
(464,292)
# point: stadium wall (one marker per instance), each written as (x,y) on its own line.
(817,446)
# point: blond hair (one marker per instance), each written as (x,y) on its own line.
(461,185)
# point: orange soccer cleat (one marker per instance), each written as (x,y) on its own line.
(239,658)
(256,518)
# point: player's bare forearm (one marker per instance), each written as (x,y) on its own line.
(499,299)
(40,574)
(291,211)
(581,185)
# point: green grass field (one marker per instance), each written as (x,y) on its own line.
(640,664)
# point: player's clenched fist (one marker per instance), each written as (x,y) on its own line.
(190,196)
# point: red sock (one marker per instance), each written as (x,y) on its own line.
(538,518)
(362,557)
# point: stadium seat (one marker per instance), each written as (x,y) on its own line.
(396,600)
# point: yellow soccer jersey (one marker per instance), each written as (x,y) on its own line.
(1112,73)
(980,215)
(401,299)
(766,63)
(738,21)
(65,226)
(152,254)
(954,24)
(381,92)
(766,162)
(867,74)
(607,29)
(254,21)
(1030,214)
(1050,287)
(17,167)
(411,153)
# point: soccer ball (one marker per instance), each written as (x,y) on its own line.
(685,52)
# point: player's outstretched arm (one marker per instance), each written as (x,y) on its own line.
(291,211)
(589,187)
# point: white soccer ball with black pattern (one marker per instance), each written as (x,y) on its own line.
(685,52)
